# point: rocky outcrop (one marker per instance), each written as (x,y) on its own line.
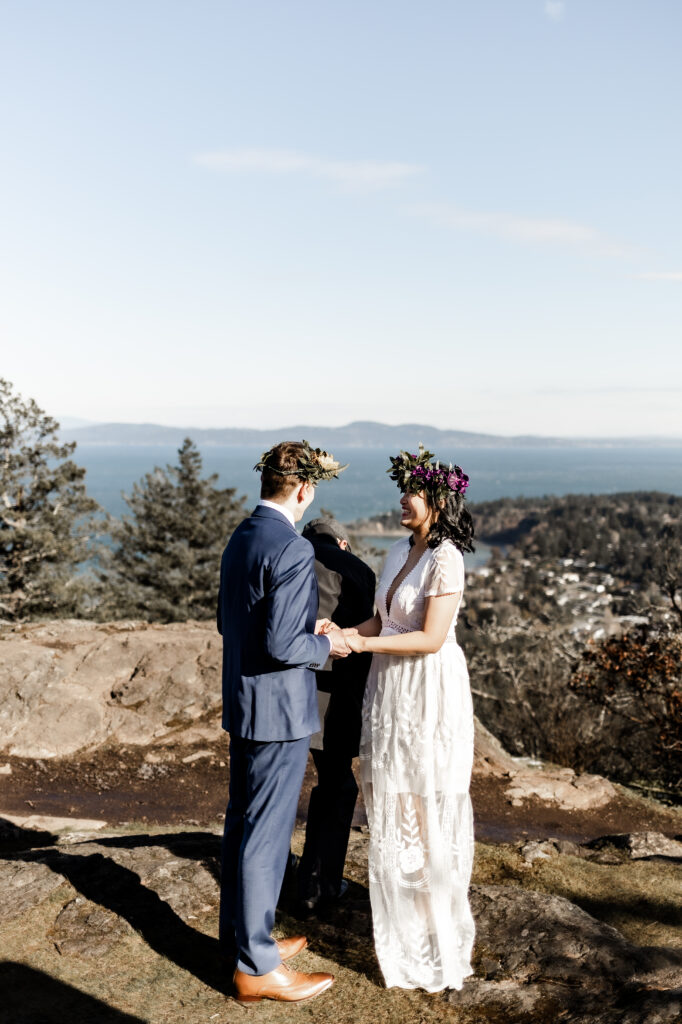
(83,929)
(542,958)
(560,786)
(637,846)
(72,685)
(490,757)
(23,886)
(69,685)
(532,779)
(606,849)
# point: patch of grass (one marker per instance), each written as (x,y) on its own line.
(641,898)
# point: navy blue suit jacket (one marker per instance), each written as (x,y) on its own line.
(266,614)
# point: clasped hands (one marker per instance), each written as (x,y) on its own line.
(342,640)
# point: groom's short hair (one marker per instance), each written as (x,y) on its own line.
(279,478)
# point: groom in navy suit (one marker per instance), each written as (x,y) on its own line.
(271,646)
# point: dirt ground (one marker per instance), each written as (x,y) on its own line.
(173,785)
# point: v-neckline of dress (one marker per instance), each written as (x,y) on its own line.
(405,577)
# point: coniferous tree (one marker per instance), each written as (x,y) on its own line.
(165,564)
(45,514)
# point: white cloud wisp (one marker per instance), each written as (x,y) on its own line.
(555,9)
(520,229)
(663,275)
(350,174)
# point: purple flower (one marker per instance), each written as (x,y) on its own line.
(457,481)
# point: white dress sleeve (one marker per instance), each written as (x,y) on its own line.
(445,574)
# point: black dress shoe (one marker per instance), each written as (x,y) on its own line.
(303,909)
(343,889)
(330,899)
(320,903)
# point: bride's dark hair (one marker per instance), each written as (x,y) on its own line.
(454,522)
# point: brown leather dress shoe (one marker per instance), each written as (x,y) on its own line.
(284,983)
(291,946)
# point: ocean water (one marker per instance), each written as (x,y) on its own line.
(364,489)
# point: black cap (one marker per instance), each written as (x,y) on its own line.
(326,527)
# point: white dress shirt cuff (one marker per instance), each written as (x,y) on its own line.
(315,664)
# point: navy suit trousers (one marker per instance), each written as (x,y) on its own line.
(265,783)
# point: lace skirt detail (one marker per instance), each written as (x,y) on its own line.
(416,753)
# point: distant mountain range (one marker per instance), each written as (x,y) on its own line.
(72,422)
(359,434)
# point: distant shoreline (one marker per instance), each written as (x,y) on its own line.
(373,531)
(367,435)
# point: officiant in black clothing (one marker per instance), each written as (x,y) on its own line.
(346,595)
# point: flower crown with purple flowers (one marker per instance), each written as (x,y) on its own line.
(415,473)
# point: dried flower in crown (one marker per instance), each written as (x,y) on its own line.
(314,464)
(415,473)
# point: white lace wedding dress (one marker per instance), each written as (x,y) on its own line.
(416,754)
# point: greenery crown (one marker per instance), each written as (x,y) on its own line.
(415,473)
(313,464)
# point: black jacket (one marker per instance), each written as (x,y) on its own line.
(346,596)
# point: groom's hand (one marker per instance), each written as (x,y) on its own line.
(323,626)
(340,648)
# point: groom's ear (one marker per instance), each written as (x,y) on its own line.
(305,490)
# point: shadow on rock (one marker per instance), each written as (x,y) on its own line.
(102,881)
(203,847)
(654,911)
(14,837)
(160,885)
(341,932)
(32,997)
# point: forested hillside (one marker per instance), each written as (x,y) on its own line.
(624,533)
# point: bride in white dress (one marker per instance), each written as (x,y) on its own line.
(416,749)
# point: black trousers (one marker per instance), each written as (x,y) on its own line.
(330,816)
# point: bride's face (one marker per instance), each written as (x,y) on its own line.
(416,513)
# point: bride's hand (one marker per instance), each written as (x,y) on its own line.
(357,643)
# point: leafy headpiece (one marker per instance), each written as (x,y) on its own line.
(415,473)
(312,464)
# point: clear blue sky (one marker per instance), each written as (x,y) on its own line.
(462,212)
